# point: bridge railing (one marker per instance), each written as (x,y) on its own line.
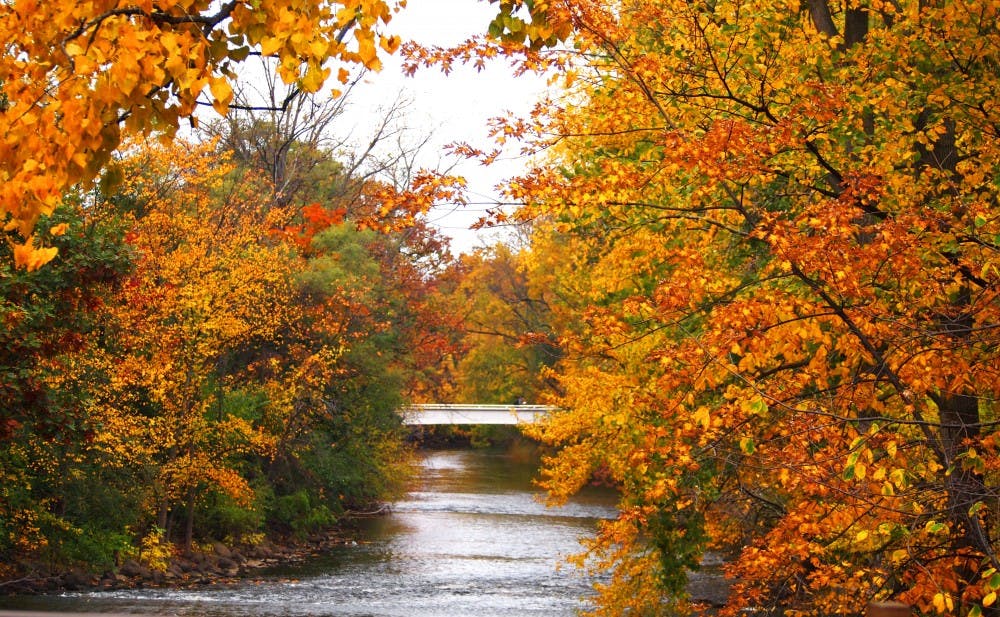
(457,413)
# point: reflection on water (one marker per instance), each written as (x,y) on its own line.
(470,539)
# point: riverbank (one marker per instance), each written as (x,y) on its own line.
(218,564)
(469,535)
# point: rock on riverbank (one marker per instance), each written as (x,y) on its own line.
(218,566)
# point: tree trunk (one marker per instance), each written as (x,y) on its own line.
(189,522)
(959,417)
(161,515)
(958,410)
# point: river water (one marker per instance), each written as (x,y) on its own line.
(470,539)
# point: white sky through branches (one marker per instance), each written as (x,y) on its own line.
(449,108)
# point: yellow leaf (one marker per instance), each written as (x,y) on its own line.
(318,49)
(270,45)
(28,257)
(390,43)
(990,598)
(314,78)
(75,49)
(367,52)
(890,449)
(860,470)
(938,601)
(83,65)
(222,92)
(701,416)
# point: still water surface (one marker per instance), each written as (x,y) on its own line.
(471,539)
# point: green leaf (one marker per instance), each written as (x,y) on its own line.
(934,527)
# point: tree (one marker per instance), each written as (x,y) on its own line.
(206,284)
(505,319)
(77,76)
(320,183)
(256,374)
(772,229)
(291,137)
(52,323)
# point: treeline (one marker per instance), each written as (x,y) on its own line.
(218,351)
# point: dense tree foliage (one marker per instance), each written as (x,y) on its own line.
(52,324)
(221,348)
(762,284)
(204,364)
(771,228)
(76,76)
(506,330)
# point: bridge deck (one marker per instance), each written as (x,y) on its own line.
(441,413)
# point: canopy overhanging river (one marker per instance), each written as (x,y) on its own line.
(470,539)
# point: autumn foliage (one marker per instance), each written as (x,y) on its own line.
(768,236)
(77,76)
(201,363)
(761,282)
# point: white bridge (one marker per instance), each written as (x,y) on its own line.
(440,413)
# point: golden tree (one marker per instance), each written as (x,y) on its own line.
(76,76)
(207,284)
(774,228)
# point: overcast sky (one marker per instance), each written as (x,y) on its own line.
(454,107)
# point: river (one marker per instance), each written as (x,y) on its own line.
(470,539)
